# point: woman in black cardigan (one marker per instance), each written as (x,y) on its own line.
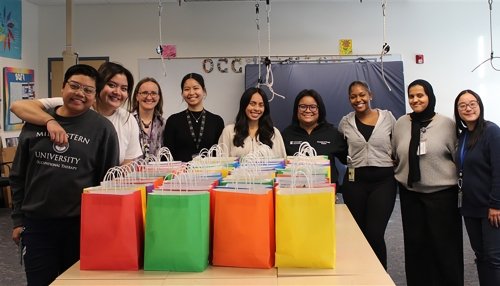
(191,130)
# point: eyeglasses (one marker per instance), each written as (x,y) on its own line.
(463,106)
(146,93)
(303,107)
(87,90)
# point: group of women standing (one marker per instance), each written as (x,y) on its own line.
(416,154)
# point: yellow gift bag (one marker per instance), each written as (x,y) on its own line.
(305,227)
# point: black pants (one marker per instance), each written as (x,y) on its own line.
(370,199)
(50,247)
(485,241)
(433,243)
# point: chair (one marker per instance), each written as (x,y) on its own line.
(8,155)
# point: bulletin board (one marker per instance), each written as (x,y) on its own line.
(18,83)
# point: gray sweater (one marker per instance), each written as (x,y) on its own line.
(377,151)
(437,167)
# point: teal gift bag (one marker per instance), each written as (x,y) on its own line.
(177,231)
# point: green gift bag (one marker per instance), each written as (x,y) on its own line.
(177,231)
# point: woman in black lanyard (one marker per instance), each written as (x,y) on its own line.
(195,128)
(478,165)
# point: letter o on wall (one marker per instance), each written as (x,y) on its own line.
(210,64)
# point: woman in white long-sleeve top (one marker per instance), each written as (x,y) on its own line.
(253,127)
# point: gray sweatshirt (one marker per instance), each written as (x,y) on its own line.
(437,167)
(377,151)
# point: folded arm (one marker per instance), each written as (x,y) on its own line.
(34,112)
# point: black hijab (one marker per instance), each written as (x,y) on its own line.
(419,121)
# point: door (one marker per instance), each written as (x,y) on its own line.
(56,74)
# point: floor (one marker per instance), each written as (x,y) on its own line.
(11,272)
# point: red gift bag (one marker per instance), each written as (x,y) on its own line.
(112,231)
(244,228)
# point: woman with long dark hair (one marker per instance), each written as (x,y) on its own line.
(478,165)
(253,127)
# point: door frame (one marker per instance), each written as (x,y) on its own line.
(81,60)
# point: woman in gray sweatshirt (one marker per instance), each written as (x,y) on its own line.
(424,143)
(369,188)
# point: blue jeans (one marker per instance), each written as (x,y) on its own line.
(485,242)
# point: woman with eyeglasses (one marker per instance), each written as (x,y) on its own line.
(191,130)
(309,124)
(253,127)
(118,84)
(424,145)
(369,187)
(478,166)
(147,108)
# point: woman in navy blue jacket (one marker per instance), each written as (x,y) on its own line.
(478,165)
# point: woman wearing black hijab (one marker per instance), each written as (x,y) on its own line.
(426,175)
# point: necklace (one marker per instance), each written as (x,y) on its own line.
(196,119)
(148,124)
(196,139)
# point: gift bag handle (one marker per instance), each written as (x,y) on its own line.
(294,179)
(164,152)
(305,149)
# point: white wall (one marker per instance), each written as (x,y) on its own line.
(452,35)
(29,56)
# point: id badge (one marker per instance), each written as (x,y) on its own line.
(422,148)
(350,173)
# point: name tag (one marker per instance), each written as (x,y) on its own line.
(295,142)
(422,148)
(323,142)
(350,172)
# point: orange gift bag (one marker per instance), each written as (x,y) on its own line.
(244,228)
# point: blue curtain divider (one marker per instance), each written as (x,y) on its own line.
(331,80)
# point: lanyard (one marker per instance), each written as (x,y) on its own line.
(463,152)
(461,159)
(196,139)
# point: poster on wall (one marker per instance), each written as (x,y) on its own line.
(10,29)
(11,141)
(18,83)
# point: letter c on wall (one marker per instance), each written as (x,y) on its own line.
(219,66)
(233,66)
